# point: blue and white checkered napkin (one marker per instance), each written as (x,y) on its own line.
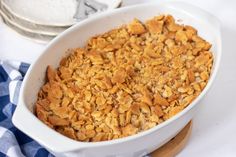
(14,143)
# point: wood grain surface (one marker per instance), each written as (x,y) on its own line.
(175,145)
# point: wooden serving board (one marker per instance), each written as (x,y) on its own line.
(176,144)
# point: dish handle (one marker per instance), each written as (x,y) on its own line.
(28,123)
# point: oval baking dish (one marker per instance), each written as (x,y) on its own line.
(136,145)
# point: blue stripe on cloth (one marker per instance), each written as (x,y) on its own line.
(3,155)
(41,152)
(31,148)
(8,110)
(7,123)
(23,68)
(4,89)
(4,100)
(20,136)
(3,75)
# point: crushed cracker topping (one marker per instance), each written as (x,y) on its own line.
(125,81)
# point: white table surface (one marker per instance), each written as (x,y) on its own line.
(214,127)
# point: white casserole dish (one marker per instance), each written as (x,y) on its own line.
(137,145)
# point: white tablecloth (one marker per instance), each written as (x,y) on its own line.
(214,127)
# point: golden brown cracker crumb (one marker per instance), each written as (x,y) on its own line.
(125,81)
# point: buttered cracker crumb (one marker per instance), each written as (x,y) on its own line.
(125,81)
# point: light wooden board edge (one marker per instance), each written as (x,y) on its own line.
(175,145)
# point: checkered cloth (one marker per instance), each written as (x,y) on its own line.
(14,143)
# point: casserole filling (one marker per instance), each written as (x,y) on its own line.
(125,81)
